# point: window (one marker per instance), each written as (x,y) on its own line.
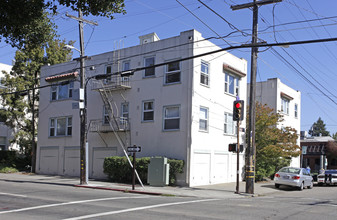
(61,92)
(108,70)
(229,125)
(60,126)
(284,106)
(148,111)
(124,113)
(125,67)
(203,119)
(231,84)
(172,74)
(150,71)
(204,75)
(171,118)
(296,111)
(106,116)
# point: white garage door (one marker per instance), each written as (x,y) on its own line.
(49,160)
(99,153)
(220,169)
(201,167)
(71,161)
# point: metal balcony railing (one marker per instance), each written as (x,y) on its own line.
(111,83)
(116,124)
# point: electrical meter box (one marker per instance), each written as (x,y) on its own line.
(158,171)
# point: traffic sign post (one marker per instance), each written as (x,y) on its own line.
(133,150)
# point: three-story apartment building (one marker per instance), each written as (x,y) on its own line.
(181,109)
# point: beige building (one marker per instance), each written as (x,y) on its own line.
(180,110)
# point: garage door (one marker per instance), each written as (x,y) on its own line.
(71,161)
(201,167)
(49,160)
(220,169)
(99,153)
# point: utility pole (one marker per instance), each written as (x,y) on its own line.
(33,125)
(83,104)
(251,148)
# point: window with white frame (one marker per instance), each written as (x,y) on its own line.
(61,126)
(148,62)
(124,113)
(203,119)
(171,118)
(296,110)
(172,74)
(125,67)
(204,74)
(229,125)
(148,111)
(106,115)
(285,105)
(232,84)
(62,92)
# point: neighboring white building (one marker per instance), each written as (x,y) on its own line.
(5,132)
(284,100)
(182,110)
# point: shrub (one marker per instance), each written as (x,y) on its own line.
(119,170)
(6,169)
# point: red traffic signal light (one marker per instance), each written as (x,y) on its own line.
(238,110)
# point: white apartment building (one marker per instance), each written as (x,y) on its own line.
(282,99)
(181,110)
(5,132)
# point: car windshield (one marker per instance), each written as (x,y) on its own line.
(290,170)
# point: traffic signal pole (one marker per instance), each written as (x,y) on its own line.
(251,149)
(238,157)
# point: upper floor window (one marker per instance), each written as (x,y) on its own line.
(231,84)
(126,65)
(203,119)
(149,61)
(61,126)
(108,70)
(60,92)
(285,106)
(229,125)
(148,111)
(171,118)
(296,110)
(106,115)
(124,113)
(172,74)
(204,74)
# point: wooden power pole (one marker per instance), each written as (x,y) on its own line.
(251,149)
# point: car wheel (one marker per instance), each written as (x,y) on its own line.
(320,184)
(311,185)
(277,185)
(301,186)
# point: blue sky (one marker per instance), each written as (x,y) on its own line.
(291,20)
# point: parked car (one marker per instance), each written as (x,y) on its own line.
(293,176)
(328,177)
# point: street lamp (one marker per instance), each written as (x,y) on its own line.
(71,48)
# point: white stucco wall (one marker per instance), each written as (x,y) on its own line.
(186,143)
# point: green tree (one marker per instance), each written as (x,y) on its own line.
(334,136)
(23,21)
(274,146)
(318,129)
(17,97)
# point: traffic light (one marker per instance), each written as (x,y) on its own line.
(238,110)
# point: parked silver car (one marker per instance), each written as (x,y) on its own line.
(293,176)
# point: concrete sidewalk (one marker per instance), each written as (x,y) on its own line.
(224,190)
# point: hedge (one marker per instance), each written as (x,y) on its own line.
(119,170)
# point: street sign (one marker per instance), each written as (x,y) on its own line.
(134,149)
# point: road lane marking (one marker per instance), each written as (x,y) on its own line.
(137,209)
(10,194)
(70,203)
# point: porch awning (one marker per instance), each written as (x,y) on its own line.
(61,77)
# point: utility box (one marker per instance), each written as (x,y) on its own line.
(158,171)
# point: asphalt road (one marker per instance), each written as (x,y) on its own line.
(34,200)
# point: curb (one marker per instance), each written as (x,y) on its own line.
(120,190)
